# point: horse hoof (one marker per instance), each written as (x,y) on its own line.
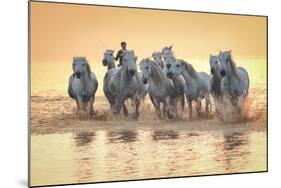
(135,116)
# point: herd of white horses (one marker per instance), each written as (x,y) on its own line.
(166,79)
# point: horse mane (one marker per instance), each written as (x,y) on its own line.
(88,68)
(191,71)
(156,68)
(233,67)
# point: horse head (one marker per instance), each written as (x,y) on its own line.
(170,61)
(129,62)
(225,62)
(79,66)
(157,57)
(214,63)
(108,57)
(145,67)
(176,68)
(167,52)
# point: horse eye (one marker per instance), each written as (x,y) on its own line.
(146,67)
(83,64)
(178,65)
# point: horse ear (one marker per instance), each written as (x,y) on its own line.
(136,58)
(229,51)
(171,47)
(74,58)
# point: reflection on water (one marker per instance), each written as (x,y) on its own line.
(121,136)
(163,135)
(83,138)
(229,154)
(107,155)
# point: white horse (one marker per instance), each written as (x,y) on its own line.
(167,52)
(108,59)
(235,82)
(215,76)
(122,83)
(179,82)
(157,57)
(160,88)
(198,85)
(82,84)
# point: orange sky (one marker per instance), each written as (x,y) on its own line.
(60,31)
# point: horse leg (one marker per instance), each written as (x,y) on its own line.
(78,106)
(157,108)
(167,107)
(137,105)
(235,104)
(91,106)
(173,111)
(190,108)
(156,105)
(116,107)
(208,104)
(165,111)
(182,102)
(125,110)
(198,107)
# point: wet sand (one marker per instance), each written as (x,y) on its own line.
(58,114)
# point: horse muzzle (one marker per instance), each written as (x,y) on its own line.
(104,62)
(212,70)
(169,74)
(132,72)
(144,80)
(78,74)
(222,73)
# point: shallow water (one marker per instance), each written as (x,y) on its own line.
(106,155)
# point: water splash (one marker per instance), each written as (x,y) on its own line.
(238,112)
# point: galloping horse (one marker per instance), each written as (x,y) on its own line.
(198,85)
(179,82)
(82,84)
(160,88)
(122,83)
(235,80)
